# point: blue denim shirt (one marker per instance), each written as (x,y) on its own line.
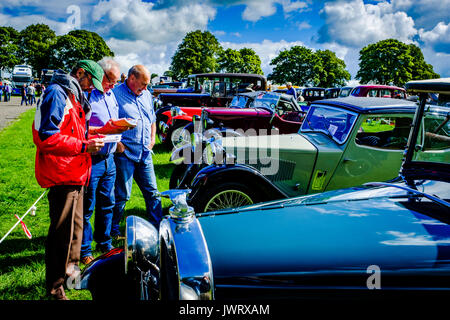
(104,107)
(139,108)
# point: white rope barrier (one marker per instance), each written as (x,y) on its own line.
(32,209)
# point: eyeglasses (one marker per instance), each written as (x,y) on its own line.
(109,80)
(107,77)
(87,75)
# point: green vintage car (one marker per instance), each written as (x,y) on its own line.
(343,142)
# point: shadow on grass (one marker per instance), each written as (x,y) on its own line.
(160,148)
(163,171)
(13,246)
(7,264)
(25,253)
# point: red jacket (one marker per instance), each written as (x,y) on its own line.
(59,132)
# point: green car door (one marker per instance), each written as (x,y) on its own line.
(373,151)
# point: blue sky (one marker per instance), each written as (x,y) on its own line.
(148,32)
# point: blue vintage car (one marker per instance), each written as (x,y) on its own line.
(388,236)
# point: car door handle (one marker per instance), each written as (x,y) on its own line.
(348,160)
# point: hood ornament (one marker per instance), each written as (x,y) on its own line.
(180,209)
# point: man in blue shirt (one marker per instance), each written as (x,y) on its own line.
(100,191)
(134,153)
(291,90)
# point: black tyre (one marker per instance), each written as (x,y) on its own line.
(227,195)
(177,174)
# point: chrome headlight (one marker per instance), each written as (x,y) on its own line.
(157,103)
(163,127)
(196,140)
(176,111)
(141,244)
(213,152)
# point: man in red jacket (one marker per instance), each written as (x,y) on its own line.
(63,165)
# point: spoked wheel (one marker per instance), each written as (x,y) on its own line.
(228,199)
(179,137)
(229,195)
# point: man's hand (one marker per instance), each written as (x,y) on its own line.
(94,145)
(152,143)
(120,147)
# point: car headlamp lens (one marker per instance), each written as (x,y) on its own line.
(141,244)
(208,154)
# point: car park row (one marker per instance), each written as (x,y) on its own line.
(329,187)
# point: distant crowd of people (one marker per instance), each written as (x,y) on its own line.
(84,173)
(27,92)
(5,91)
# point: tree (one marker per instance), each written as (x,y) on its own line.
(231,61)
(329,70)
(35,44)
(197,53)
(252,62)
(243,61)
(295,65)
(392,62)
(78,45)
(421,69)
(9,48)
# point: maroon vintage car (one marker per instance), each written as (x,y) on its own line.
(377,90)
(255,110)
(251,113)
(202,90)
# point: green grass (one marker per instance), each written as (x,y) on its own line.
(377,127)
(22,267)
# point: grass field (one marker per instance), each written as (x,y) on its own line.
(22,267)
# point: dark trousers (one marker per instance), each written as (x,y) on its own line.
(64,235)
(99,196)
(24,98)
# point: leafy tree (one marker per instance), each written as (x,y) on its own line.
(421,69)
(35,44)
(9,47)
(329,70)
(252,62)
(243,61)
(231,61)
(392,62)
(197,53)
(295,65)
(78,45)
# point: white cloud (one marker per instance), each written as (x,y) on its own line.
(258,9)
(137,20)
(255,10)
(439,61)
(438,38)
(303,25)
(357,24)
(21,22)
(424,12)
(156,57)
(266,50)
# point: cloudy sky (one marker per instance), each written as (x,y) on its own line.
(148,32)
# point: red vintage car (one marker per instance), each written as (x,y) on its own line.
(210,90)
(252,113)
(381,91)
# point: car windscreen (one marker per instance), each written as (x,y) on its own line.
(239,102)
(333,122)
(433,144)
(266,101)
